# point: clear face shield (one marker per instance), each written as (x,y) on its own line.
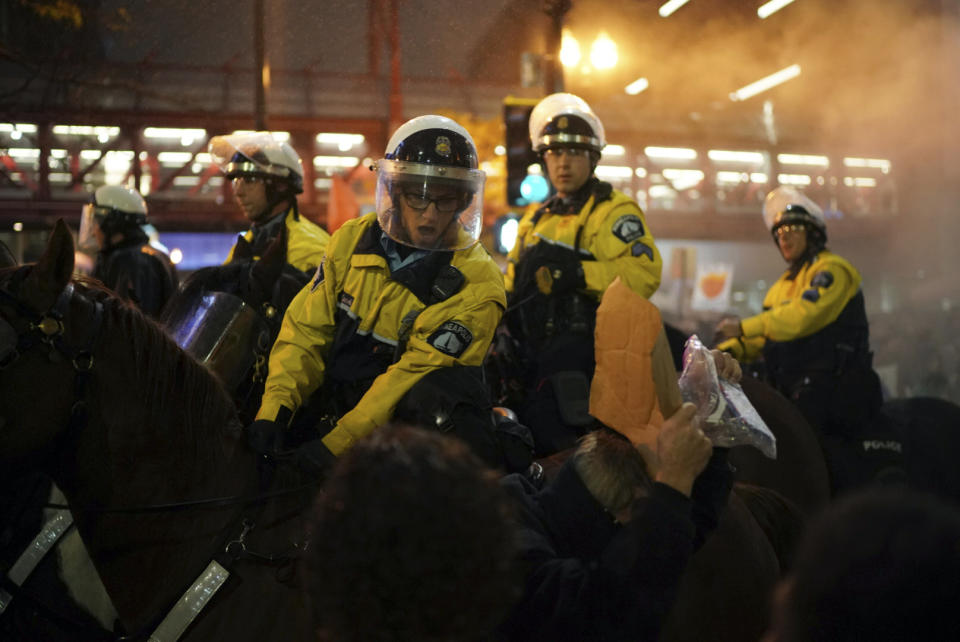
(220,331)
(430,207)
(87,240)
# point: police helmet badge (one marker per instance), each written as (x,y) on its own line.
(443,147)
(563,123)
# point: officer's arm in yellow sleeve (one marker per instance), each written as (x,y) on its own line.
(377,405)
(816,308)
(743,349)
(624,247)
(296,365)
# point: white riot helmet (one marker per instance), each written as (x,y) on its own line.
(257,154)
(787,205)
(114,208)
(431,161)
(565,120)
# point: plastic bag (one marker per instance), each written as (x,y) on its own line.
(726,415)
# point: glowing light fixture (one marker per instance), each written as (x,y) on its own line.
(859,181)
(603,52)
(614,150)
(875,163)
(793,179)
(683,178)
(772,7)
(672,153)
(613,171)
(344,142)
(638,85)
(569,50)
(669,7)
(723,155)
(804,159)
(174,132)
(281,137)
(764,84)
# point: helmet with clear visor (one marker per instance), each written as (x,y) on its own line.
(565,120)
(429,190)
(114,209)
(257,154)
(786,205)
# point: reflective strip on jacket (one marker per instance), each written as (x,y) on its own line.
(615,241)
(455,331)
(799,307)
(306,242)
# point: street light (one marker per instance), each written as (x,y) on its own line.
(603,52)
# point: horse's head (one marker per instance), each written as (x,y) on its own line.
(74,357)
(36,349)
(228,316)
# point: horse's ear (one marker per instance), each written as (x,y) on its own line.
(268,269)
(55,267)
(242,251)
(6,256)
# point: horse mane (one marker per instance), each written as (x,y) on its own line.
(179,396)
(779,518)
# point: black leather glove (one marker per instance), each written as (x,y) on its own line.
(560,278)
(264,436)
(556,269)
(315,459)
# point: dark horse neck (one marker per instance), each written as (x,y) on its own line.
(160,430)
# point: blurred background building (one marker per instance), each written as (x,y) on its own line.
(708,104)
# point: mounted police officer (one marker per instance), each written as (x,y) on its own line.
(568,251)
(813,332)
(113,225)
(266,175)
(405,298)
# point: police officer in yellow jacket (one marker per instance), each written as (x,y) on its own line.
(266,175)
(568,251)
(813,332)
(404,295)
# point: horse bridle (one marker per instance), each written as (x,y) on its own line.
(47,329)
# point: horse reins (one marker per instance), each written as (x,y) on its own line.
(48,329)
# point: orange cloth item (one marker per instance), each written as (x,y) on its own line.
(623,395)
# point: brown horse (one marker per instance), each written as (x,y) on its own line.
(138,436)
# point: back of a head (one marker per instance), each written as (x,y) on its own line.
(881,564)
(411,541)
(611,468)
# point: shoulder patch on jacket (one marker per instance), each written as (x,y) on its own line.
(628,228)
(451,338)
(812,295)
(822,279)
(641,249)
(317,277)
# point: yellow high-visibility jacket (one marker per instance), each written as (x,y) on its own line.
(798,307)
(306,242)
(355,279)
(614,240)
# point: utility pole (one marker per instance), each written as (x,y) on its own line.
(261,67)
(553,70)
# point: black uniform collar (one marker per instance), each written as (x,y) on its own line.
(419,276)
(264,233)
(574,203)
(579,523)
